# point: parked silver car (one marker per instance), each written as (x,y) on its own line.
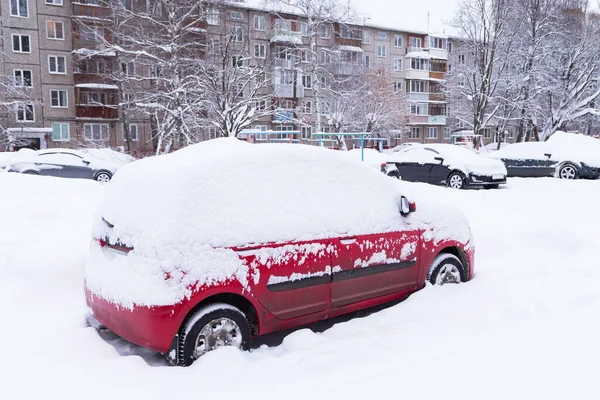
(63,163)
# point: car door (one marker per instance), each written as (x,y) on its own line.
(412,171)
(291,280)
(416,165)
(74,166)
(49,164)
(371,266)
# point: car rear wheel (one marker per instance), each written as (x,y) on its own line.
(102,177)
(456,180)
(30,173)
(394,174)
(568,171)
(446,268)
(216,325)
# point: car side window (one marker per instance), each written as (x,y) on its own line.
(60,159)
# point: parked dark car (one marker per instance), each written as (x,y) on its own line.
(446,164)
(528,160)
(63,163)
(535,159)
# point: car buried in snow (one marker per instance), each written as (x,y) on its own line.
(446,164)
(191,252)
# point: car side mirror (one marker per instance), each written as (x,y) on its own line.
(440,159)
(406,207)
(548,155)
(86,162)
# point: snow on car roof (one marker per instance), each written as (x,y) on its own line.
(575,147)
(523,151)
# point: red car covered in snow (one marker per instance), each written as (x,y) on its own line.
(210,253)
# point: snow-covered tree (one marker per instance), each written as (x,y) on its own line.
(481,60)
(160,46)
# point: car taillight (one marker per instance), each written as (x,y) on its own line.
(118,247)
(412,206)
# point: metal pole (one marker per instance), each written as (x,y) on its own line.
(320,140)
(362,147)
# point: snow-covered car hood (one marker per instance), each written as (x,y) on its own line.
(455,157)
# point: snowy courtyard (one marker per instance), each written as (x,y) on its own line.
(526,327)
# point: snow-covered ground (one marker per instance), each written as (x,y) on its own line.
(526,327)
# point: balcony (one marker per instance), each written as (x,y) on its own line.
(283,36)
(90,10)
(348,69)
(436,120)
(416,74)
(418,96)
(83,77)
(96,112)
(289,91)
(414,49)
(419,119)
(436,97)
(283,63)
(436,75)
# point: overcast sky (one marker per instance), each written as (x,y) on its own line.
(408,14)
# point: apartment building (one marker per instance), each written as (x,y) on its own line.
(55,50)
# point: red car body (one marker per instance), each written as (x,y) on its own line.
(304,283)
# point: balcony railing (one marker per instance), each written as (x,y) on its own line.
(437,120)
(283,63)
(283,36)
(418,96)
(283,115)
(287,90)
(348,69)
(96,112)
(90,10)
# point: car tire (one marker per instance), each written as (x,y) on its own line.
(215,325)
(103,176)
(394,174)
(30,173)
(456,180)
(568,171)
(446,268)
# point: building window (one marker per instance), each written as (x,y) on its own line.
(19,8)
(397,86)
(446,133)
(449,47)
(415,42)
(55,2)
(60,132)
(510,133)
(55,30)
(57,64)
(133,132)
(58,98)
(128,5)
(307,107)
(128,68)
(307,81)
(95,131)
(431,133)
(154,8)
(91,33)
(414,133)
(21,43)
(398,41)
(381,35)
(304,28)
(25,113)
(366,37)
(350,57)
(259,22)
(91,98)
(92,66)
(382,50)
(261,105)
(419,86)
(487,133)
(437,43)
(22,78)
(237,61)
(306,132)
(213,17)
(419,63)
(461,58)
(325,31)
(462,81)
(260,51)
(237,15)
(397,64)
(238,33)
(419,109)
(367,61)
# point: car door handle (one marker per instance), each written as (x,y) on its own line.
(347,241)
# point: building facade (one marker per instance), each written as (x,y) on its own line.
(53,50)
